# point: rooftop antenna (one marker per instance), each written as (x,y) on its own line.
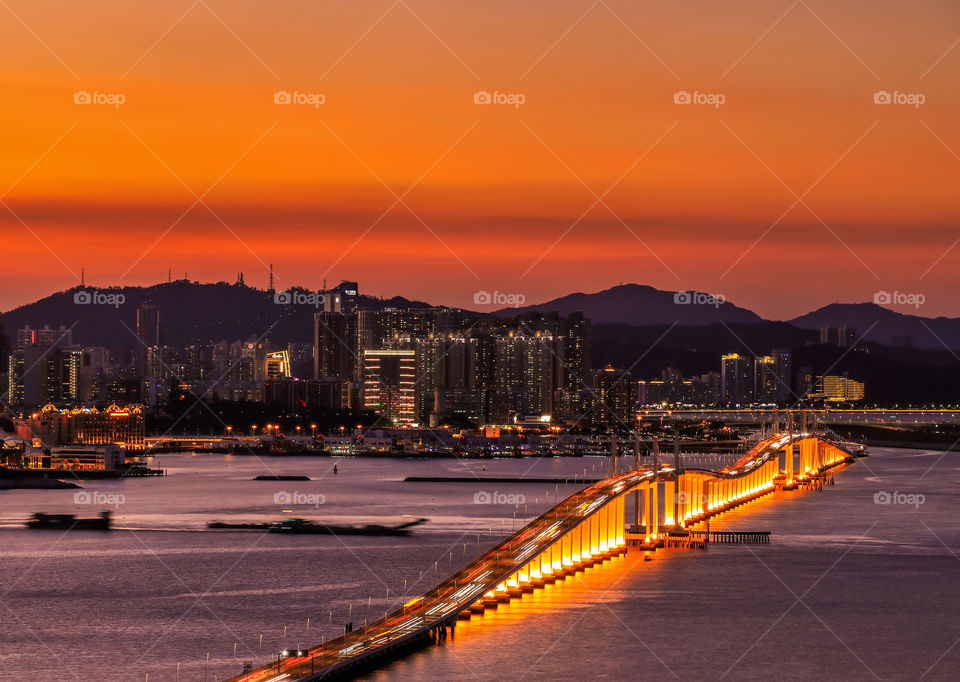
(169,275)
(82,277)
(271,277)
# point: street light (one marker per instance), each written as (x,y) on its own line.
(313,430)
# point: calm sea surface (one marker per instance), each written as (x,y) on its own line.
(849,588)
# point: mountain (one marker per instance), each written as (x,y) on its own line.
(190,313)
(881,325)
(641,306)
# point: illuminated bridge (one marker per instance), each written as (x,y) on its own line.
(588,527)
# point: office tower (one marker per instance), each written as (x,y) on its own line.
(615,401)
(389,377)
(736,379)
(341,298)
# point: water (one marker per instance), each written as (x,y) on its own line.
(878,583)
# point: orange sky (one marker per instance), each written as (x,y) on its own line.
(495,191)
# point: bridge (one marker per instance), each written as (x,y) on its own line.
(587,528)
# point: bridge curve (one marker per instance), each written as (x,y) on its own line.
(584,529)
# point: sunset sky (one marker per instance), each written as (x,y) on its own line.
(797,191)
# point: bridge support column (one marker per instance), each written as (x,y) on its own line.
(669,503)
(643,495)
(603,525)
(788,461)
(621,522)
(652,529)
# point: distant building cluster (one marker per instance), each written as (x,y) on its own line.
(426,367)
(750,380)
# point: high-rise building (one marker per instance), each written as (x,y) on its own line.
(736,379)
(765,379)
(333,352)
(783,367)
(527,371)
(615,401)
(148,331)
(341,298)
(41,374)
(389,379)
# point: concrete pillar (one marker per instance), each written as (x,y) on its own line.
(601,515)
(621,522)
(654,511)
(643,492)
(669,503)
(680,498)
(595,533)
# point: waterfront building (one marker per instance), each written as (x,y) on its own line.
(389,378)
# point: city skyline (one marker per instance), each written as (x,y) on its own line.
(389,165)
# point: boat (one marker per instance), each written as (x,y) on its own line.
(43,521)
(307,527)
